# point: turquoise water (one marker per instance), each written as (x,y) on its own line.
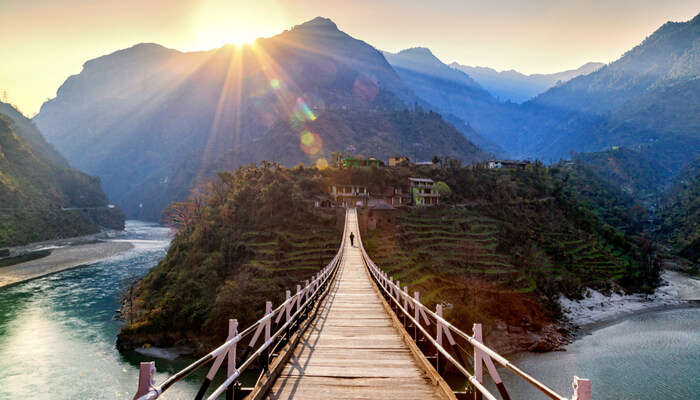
(57,336)
(57,333)
(644,357)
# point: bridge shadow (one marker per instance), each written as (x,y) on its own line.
(299,361)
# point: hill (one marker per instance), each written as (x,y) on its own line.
(680,214)
(503,249)
(252,234)
(636,173)
(37,186)
(512,237)
(517,87)
(131,120)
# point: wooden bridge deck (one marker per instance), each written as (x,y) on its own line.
(352,350)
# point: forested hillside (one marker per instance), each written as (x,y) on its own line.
(243,240)
(37,186)
(680,214)
(512,237)
(636,173)
(504,248)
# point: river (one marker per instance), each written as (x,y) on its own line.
(57,332)
(649,356)
(57,336)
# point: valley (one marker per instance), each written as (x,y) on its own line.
(162,192)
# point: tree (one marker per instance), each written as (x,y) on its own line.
(443,189)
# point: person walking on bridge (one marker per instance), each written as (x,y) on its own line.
(352,239)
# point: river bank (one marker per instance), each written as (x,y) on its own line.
(64,324)
(62,258)
(597,309)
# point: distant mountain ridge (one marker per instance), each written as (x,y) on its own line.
(451,92)
(647,101)
(139,115)
(517,87)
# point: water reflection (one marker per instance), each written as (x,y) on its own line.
(645,357)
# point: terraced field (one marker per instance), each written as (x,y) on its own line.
(454,241)
(477,263)
(291,252)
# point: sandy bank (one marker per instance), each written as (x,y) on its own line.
(678,290)
(60,259)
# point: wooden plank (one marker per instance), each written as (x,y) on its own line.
(352,350)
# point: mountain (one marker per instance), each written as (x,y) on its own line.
(647,101)
(517,87)
(41,196)
(649,98)
(422,60)
(151,121)
(451,92)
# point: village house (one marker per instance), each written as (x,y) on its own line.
(361,162)
(349,195)
(396,196)
(424,191)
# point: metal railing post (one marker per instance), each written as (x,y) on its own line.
(265,354)
(481,359)
(478,362)
(582,389)
(231,356)
(147,382)
(438,337)
(416,315)
(287,296)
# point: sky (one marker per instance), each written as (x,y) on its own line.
(43,42)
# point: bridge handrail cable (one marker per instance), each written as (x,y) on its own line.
(401,301)
(312,291)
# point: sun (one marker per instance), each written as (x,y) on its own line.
(211,38)
(215,23)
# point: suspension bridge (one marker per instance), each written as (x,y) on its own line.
(351,332)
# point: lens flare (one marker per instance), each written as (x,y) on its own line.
(275,83)
(321,163)
(311,143)
(306,110)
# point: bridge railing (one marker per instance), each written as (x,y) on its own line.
(267,336)
(442,343)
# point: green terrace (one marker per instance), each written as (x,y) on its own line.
(292,251)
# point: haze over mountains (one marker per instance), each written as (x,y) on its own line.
(151,121)
(517,87)
(296,97)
